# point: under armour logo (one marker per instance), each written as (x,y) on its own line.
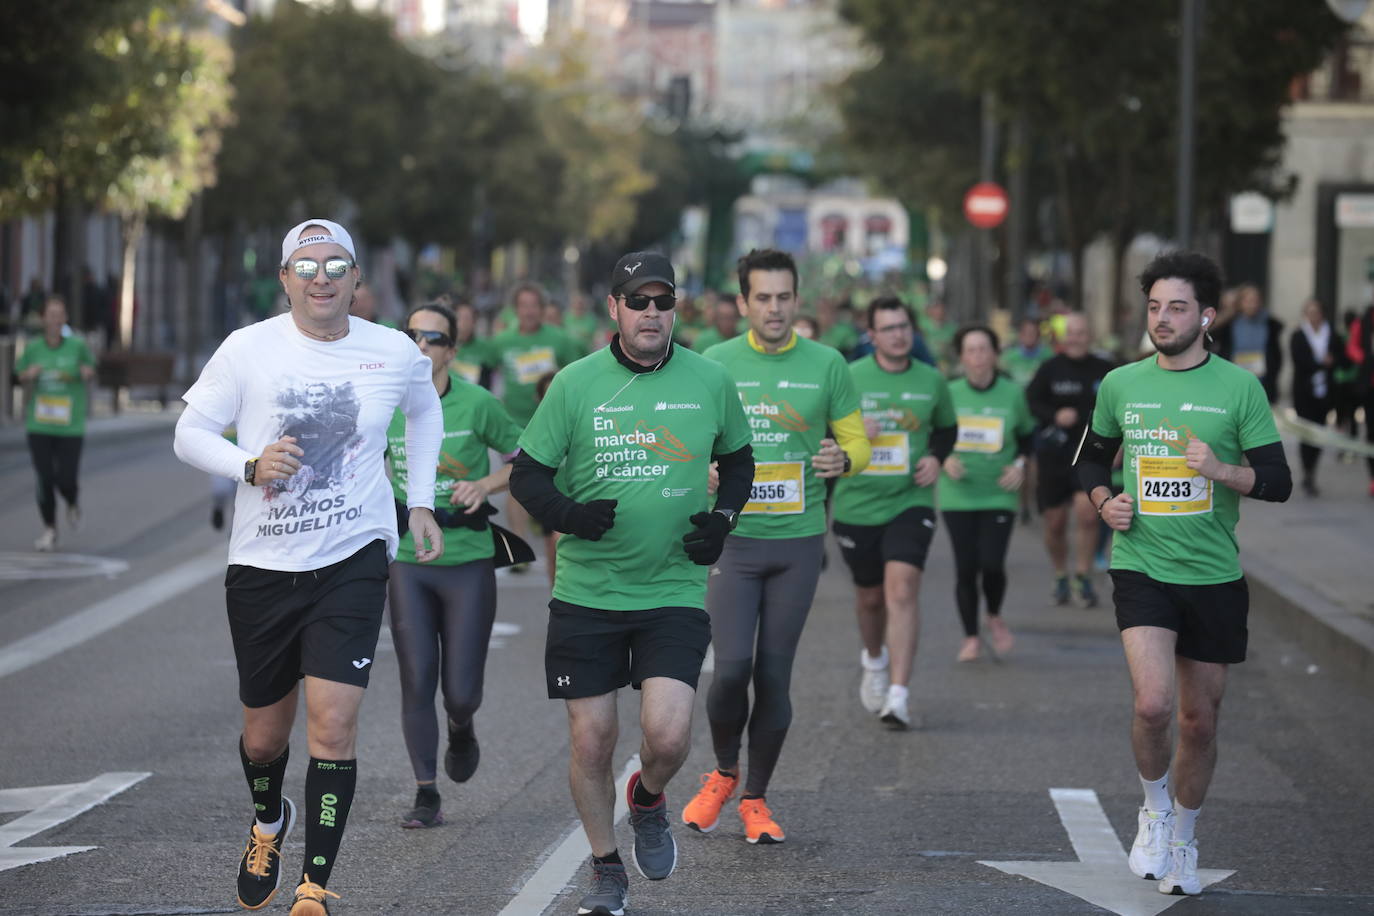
(631,268)
(361,663)
(563,679)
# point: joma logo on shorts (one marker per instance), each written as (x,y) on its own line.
(328,809)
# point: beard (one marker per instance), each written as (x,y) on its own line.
(1180,342)
(635,352)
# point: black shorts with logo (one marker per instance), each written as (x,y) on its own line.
(867,548)
(322,623)
(591,652)
(1056,481)
(1210,620)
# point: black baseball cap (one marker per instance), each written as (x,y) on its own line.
(638,269)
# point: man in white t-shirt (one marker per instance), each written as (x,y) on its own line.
(311,393)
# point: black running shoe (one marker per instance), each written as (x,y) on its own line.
(460,760)
(426,812)
(260,865)
(609,894)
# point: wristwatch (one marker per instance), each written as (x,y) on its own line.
(848,464)
(250,470)
(731,516)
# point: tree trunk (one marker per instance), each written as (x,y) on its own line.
(131,232)
(1073,239)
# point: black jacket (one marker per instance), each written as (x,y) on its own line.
(1305,366)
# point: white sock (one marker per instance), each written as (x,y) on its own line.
(271,829)
(871,663)
(897,693)
(1185,822)
(1156,793)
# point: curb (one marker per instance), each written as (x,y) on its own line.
(13,438)
(1319,625)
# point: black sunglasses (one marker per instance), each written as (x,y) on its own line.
(638,303)
(334,268)
(433,338)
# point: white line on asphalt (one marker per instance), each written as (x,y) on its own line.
(104,616)
(65,803)
(552,877)
(1089,830)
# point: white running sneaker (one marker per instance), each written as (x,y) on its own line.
(873,686)
(1149,857)
(894,714)
(46,541)
(1181,877)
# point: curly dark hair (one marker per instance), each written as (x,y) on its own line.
(1191,266)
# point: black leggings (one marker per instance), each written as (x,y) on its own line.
(980,539)
(1314,412)
(441,619)
(758,605)
(56,460)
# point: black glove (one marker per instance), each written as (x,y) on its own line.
(590,520)
(705,542)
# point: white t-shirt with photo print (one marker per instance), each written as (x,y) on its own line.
(336,398)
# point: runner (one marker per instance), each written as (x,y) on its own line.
(1186,419)
(523,354)
(1061,398)
(1253,339)
(314,529)
(760,592)
(442,612)
(57,371)
(725,321)
(978,487)
(1030,353)
(885,517)
(472,356)
(634,427)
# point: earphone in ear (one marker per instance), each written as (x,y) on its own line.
(1206,321)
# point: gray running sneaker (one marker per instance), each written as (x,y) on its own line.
(608,897)
(655,850)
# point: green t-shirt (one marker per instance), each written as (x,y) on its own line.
(582,329)
(707,339)
(990,423)
(57,406)
(1184,529)
(790,397)
(474,421)
(645,439)
(907,406)
(471,358)
(842,336)
(1021,365)
(524,359)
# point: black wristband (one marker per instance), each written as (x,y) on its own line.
(1101,504)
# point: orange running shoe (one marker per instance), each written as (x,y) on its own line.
(702,813)
(759,826)
(310,899)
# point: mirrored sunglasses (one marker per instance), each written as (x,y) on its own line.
(433,338)
(334,268)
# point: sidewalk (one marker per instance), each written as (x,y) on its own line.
(1309,560)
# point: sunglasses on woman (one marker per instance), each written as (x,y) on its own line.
(433,338)
(309,268)
(639,303)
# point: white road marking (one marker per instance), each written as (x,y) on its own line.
(554,874)
(107,614)
(56,805)
(23,566)
(1100,876)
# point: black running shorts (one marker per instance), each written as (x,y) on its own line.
(1210,620)
(591,652)
(322,623)
(1056,481)
(868,548)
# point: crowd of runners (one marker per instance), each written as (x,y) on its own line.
(686,460)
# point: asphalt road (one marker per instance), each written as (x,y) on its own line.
(877,822)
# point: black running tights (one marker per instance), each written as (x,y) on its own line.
(55,460)
(980,539)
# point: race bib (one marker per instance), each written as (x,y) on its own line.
(1251,360)
(468,372)
(530,367)
(1167,486)
(778,489)
(52,409)
(980,434)
(891,456)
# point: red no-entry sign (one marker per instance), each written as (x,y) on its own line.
(985,205)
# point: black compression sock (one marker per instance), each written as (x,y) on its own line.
(750,797)
(611,858)
(643,797)
(428,793)
(329,788)
(265,782)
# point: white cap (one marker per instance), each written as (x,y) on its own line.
(292,242)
